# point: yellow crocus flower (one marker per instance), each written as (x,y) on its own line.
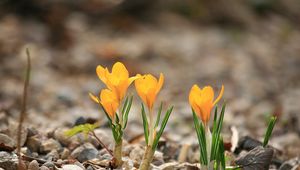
(148,87)
(202,101)
(117,80)
(109,101)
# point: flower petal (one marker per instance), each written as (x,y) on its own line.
(120,71)
(220,95)
(160,82)
(102,73)
(94,98)
(207,94)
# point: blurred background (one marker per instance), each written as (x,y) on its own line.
(252,47)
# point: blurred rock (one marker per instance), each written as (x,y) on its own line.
(291,164)
(44,168)
(52,155)
(7,141)
(158,158)
(13,132)
(49,165)
(65,153)
(33,165)
(8,161)
(71,167)
(104,135)
(85,152)
(34,143)
(59,135)
(136,154)
(49,145)
(168,166)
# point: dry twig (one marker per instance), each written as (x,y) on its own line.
(23,108)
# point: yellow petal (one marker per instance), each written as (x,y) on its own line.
(120,71)
(220,95)
(109,101)
(160,82)
(207,94)
(151,96)
(93,97)
(102,73)
(139,88)
(193,96)
(131,79)
(205,111)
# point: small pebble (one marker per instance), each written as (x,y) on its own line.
(65,153)
(49,145)
(33,165)
(49,165)
(71,167)
(44,168)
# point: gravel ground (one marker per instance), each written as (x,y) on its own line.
(260,69)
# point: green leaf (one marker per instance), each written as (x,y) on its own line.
(85,129)
(212,155)
(216,133)
(158,115)
(145,124)
(124,105)
(221,153)
(127,112)
(269,130)
(201,139)
(162,128)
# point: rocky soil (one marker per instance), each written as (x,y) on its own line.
(259,67)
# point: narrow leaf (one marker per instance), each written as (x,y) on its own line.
(127,112)
(145,124)
(124,105)
(201,139)
(271,125)
(158,115)
(221,156)
(162,127)
(218,132)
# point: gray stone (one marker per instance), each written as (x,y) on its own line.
(13,132)
(33,143)
(33,165)
(44,168)
(6,140)
(8,161)
(188,166)
(85,152)
(158,158)
(136,154)
(71,167)
(59,135)
(65,153)
(103,135)
(79,164)
(49,145)
(49,165)
(53,155)
(168,166)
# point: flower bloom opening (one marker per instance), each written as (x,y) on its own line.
(117,80)
(147,87)
(202,101)
(108,100)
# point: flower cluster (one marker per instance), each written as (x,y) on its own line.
(147,87)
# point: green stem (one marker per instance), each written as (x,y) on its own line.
(118,153)
(147,158)
(208,142)
(151,128)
